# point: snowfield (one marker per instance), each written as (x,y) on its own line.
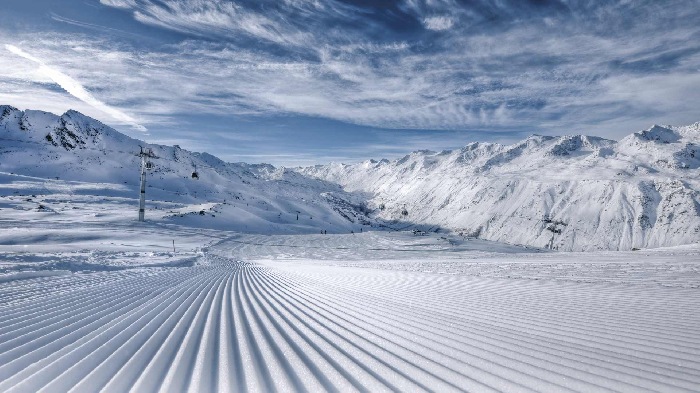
(232,283)
(390,311)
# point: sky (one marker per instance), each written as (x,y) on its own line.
(300,82)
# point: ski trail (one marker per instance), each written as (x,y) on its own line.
(455,356)
(232,325)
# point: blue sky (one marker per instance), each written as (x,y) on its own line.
(297,82)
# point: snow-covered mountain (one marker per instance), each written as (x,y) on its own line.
(250,198)
(567,193)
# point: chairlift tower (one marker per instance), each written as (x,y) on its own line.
(145,155)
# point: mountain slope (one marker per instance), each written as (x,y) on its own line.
(567,193)
(250,198)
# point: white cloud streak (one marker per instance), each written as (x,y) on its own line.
(119,3)
(217,17)
(75,89)
(438,23)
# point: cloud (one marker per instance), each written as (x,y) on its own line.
(498,64)
(75,89)
(438,23)
(495,66)
(119,3)
(217,18)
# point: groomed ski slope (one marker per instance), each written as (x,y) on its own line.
(260,314)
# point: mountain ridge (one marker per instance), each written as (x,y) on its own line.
(572,192)
(254,198)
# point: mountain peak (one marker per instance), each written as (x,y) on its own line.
(657,133)
(8,108)
(567,145)
(539,138)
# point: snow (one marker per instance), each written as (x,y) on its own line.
(253,298)
(82,153)
(389,311)
(570,193)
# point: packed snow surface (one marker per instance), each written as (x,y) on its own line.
(379,311)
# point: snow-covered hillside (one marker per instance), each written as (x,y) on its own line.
(566,193)
(250,198)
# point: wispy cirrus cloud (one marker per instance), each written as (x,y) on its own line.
(75,89)
(496,66)
(120,3)
(438,22)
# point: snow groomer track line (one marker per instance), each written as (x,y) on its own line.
(240,326)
